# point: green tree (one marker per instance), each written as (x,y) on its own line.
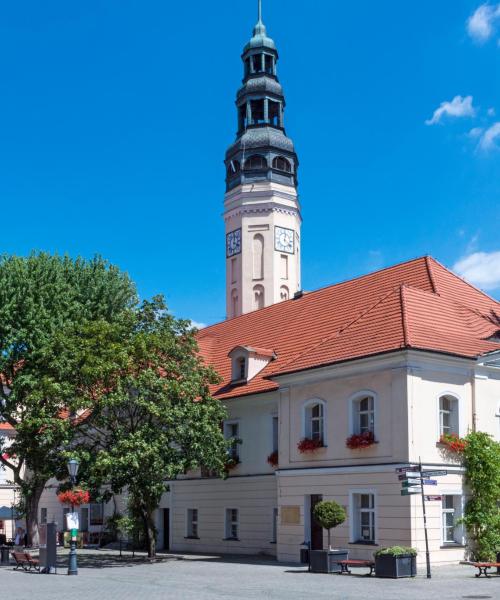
(482,511)
(155,419)
(329,514)
(45,303)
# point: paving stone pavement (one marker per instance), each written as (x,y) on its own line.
(103,575)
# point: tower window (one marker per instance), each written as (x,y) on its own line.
(234,303)
(258,294)
(282,164)
(255,162)
(284,293)
(242,117)
(257,109)
(247,67)
(258,256)
(269,64)
(257,63)
(274,113)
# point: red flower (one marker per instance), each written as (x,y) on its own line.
(75,497)
(453,442)
(307,445)
(272,459)
(361,440)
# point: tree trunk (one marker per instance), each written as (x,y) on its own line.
(31,503)
(150,533)
(329,540)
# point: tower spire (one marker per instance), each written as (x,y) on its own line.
(260,11)
(260,28)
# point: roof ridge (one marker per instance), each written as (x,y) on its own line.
(404,319)
(341,330)
(431,276)
(463,280)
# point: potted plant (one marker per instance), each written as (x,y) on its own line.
(273,459)
(396,562)
(329,515)
(452,442)
(361,440)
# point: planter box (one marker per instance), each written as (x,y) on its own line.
(326,561)
(395,567)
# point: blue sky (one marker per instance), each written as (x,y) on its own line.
(115,116)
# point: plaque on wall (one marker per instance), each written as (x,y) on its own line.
(290,515)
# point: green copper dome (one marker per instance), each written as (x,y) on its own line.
(260,38)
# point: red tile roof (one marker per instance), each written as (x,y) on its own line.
(418,304)
(6,427)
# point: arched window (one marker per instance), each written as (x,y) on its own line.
(256,162)
(258,256)
(448,415)
(314,421)
(233,167)
(234,303)
(241,368)
(284,293)
(258,297)
(280,163)
(363,413)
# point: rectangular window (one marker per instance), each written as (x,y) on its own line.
(448,415)
(284,266)
(450,512)
(232,524)
(192,523)
(96,514)
(315,422)
(232,431)
(275,434)
(43,515)
(364,518)
(365,417)
(84,519)
(233,270)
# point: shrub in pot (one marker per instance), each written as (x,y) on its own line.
(396,562)
(329,514)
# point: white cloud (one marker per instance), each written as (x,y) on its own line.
(198,325)
(490,137)
(481,269)
(491,112)
(481,25)
(475,132)
(458,107)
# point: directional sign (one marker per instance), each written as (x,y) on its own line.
(431,498)
(429,481)
(409,484)
(412,480)
(412,475)
(410,492)
(434,473)
(404,469)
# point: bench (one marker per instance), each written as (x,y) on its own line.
(345,564)
(25,561)
(483,567)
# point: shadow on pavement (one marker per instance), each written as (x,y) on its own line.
(107,561)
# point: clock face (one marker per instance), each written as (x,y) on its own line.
(233,242)
(284,240)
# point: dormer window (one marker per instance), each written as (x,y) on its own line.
(247,362)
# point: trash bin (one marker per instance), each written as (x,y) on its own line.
(304,553)
(4,555)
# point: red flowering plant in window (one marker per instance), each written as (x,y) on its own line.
(453,442)
(361,440)
(75,497)
(309,445)
(272,459)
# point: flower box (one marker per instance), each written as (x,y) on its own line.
(396,562)
(361,440)
(74,497)
(327,561)
(308,445)
(232,463)
(453,442)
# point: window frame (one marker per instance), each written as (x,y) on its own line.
(353,402)
(355,517)
(192,524)
(229,523)
(234,451)
(306,429)
(459,418)
(93,522)
(458,509)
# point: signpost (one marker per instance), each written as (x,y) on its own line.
(413,480)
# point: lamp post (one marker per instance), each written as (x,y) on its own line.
(73,465)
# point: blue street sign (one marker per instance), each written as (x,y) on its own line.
(430,482)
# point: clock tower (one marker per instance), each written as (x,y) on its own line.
(261,205)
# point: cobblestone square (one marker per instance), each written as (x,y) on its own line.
(103,574)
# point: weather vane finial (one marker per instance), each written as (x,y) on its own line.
(260,11)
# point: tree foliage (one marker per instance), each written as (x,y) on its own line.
(329,514)
(155,418)
(45,303)
(482,511)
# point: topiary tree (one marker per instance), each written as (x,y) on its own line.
(329,514)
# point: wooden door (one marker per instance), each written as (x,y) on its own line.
(166,529)
(316,529)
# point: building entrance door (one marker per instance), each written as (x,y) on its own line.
(316,529)
(166,529)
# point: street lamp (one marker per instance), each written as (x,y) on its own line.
(73,465)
